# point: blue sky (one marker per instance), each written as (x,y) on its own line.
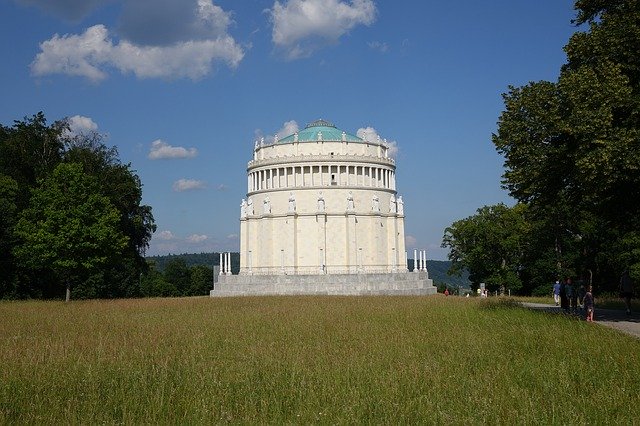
(184,87)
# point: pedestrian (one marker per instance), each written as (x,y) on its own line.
(572,294)
(581,293)
(564,300)
(446,291)
(589,303)
(626,290)
(556,292)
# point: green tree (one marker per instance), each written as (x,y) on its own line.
(9,208)
(201,280)
(123,188)
(571,147)
(490,245)
(69,228)
(178,274)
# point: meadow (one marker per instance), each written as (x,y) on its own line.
(311,360)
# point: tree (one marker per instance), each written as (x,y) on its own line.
(177,274)
(9,208)
(490,245)
(123,188)
(69,228)
(201,280)
(572,150)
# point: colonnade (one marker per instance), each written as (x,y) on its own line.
(309,176)
(225,263)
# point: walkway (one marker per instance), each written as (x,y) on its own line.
(613,318)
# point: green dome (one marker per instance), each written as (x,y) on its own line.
(320,130)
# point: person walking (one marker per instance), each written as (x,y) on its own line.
(564,300)
(626,289)
(588,303)
(556,292)
(572,294)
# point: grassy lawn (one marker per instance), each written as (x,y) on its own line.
(311,360)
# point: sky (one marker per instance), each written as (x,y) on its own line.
(183,88)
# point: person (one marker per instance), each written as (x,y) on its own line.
(564,300)
(581,293)
(588,303)
(626,290)
(556,292)
(446,291)
(571,294)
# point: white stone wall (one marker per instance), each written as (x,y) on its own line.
(286,231)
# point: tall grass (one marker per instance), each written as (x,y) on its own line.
(310,360)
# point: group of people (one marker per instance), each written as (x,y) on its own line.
(570,298)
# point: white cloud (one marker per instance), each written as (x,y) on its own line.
(370,134)
(232,237)
(165,235)
(288,128)
(379,46)
(195,238)
(162,150)
(79,124)
(222,187)
(92,53)
(410,241)
(302,26)
(188,185)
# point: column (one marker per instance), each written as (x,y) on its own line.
(221,265)
(415,260)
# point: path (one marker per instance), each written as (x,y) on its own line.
(613,318)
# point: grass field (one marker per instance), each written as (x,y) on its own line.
(311,360)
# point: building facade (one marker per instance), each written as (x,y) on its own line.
(321,203)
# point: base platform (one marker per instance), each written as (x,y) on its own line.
(408,283)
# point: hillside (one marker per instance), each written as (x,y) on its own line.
(437,268)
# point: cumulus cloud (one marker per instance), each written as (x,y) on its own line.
(79,125)
(195,238)
(410,241)
(162,150)
(232,237)
(165,235)
(302,26)
(190,52)
(222,187)
(288,128)
(188,185)
(371,135)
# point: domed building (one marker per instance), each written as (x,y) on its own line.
(322,215)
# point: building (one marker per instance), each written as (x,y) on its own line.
(322,215)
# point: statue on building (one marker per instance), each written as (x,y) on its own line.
(400,205)
(250,211)
(375,203)
(350,204)
(292,203)
(266,206)
(392,204)
(320,202)
(243,209)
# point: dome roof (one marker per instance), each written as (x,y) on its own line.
(320,130)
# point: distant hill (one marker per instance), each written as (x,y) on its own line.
(437,268)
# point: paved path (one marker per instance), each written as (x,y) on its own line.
(613,318)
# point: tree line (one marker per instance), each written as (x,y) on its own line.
(72,218)
(572,163)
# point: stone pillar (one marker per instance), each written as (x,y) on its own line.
(415,260)
(221,265)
